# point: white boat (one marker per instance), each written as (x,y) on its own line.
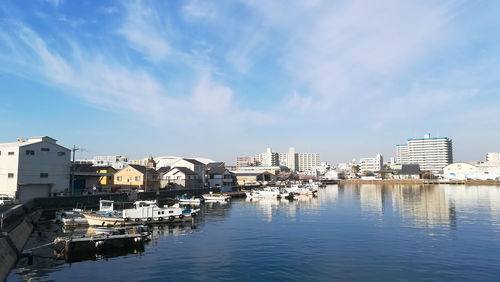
(299,190)
(189,201)
(144,211)
(268,192)
(216,198)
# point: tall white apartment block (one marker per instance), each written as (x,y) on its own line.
(269,158)
(430,153)
(371,164)
(117,162)
(34,167)
(294,161)
(402,154)
(307,161)
(493,158)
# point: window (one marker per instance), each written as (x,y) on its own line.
(44,175)
(11,153)
(137,178)
(61,153)
(30,152)
(11,175)
(45,149)
(119,178)
(170,211)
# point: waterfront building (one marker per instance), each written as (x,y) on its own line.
(117,161)
(253,177)
(431,154)
(478,171)
(331,175)
(220,177)
(371,164)
(34,167)
(493,158)
(137,177)
(180,178)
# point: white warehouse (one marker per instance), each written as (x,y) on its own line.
(35,167)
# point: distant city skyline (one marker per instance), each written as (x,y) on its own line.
(221,79)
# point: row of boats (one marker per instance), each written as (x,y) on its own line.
(143,212)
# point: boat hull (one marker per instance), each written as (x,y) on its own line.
(97,220)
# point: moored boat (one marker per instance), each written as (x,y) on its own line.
(143,212)
(216,197)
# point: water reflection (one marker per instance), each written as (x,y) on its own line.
(429,206)
(270,207)
(44,260)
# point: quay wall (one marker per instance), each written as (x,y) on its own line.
(8,256)
(12,242)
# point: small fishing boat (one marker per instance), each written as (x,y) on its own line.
(143,212)
(216,197)
(71,218)
(189,201)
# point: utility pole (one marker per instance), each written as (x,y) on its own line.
(146,177)
(75,148)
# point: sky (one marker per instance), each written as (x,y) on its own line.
(221,79)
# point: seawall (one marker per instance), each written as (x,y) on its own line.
(13,239)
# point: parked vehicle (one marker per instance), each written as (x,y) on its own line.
(6,200)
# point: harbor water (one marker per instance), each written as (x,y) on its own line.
(347,232)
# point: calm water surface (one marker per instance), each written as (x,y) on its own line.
(351,232)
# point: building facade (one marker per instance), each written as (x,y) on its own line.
(35,167)
(493,158)
(431,154)
(371,164)
(180,178)
(137,177)
(117,162)
(294,161)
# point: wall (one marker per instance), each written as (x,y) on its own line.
(57,166)
(8,164)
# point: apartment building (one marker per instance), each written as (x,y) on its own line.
(371,164)
(430,153)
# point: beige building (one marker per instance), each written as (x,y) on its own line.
(133,177)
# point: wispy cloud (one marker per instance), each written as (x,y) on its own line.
(109,85)
(198,10)
(145,30)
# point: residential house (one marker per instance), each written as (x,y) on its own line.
(180,178)
(137,177)
(34,167)
(220,177)
(192,164)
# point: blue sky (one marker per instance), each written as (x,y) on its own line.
(218,79)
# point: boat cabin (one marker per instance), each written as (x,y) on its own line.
(106,205)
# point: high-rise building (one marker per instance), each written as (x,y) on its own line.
(306,161)
(430,153)
(493,158)
(371,164)
(246,161)
(294,161)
